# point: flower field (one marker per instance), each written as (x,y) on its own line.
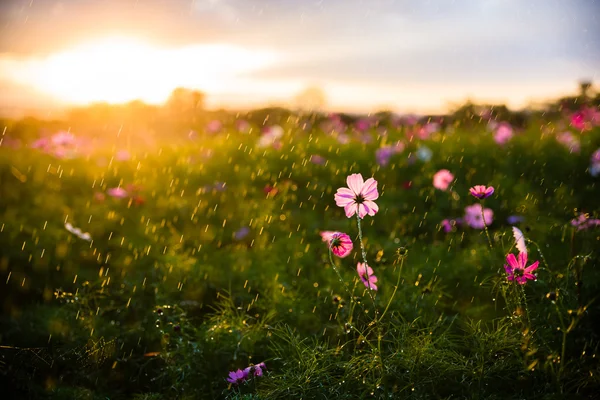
(301,256)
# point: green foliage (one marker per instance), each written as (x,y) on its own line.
(168,297)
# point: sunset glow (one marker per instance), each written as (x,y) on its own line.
(119,69)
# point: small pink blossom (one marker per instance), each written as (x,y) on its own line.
(442,179)
(122,155)
(117,192)
(504,132)
(358,196)
(214,126)
(569,140)
(481,191)
(518,270)
(474,219)
(366,276)
(340,243)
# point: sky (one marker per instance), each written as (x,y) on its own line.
(407,56)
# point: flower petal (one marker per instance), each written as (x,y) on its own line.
(369,189)
(522,259)
(350,209)
(344,196)
(532,267)
(363,210)
(355,183)
(512,261)
(372,206)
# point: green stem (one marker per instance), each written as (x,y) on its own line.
(485,226)
(563,350)
(525,305)
(364,257)
(344,284)
(395,289)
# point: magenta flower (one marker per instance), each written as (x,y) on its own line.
(359,196)
(366,276)
(117,192)
(474,219)
(578,120)
(339,243)
(481,191)
(237,377)
(442,179)
(517,269)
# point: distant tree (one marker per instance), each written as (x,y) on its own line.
(184,107)
(584,88)
(311,99)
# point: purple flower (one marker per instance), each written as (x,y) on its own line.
(237,377)
(514,219)
(583,221)
(446,225)
(241,233)
(481,191)
(255,370)
(383,155)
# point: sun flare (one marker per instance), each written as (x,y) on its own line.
(119,69)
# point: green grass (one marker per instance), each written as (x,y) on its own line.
(166,301)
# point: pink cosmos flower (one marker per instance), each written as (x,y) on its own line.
(242,126)
(481,191)
(117,192)
(474,219)
(340,243)
(122,155)
(359,196)
(317,159)
(517,269)
(504,133)
(442,179)
(366,276)
(63,139)
(214,126)
(578,120)
(237,377)
(568,140)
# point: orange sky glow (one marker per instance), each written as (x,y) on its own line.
(256,53)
